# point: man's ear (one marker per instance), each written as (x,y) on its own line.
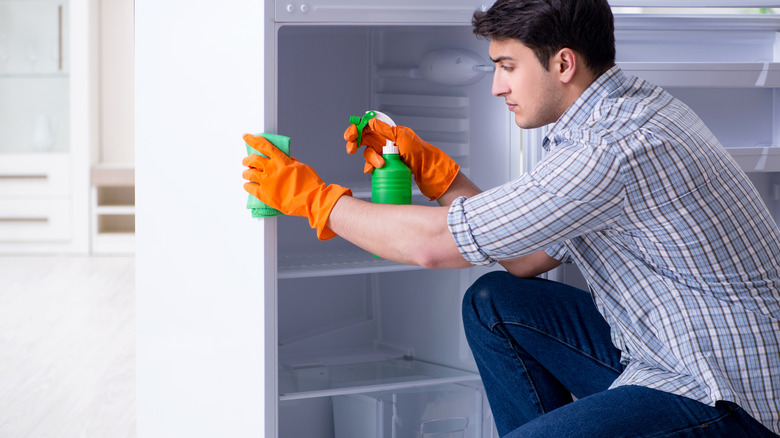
(565,64)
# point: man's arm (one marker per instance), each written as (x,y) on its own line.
(418,235)
(531,265)
(432,169)
(527,266)
(410,234)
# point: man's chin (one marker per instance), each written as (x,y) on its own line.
(525,124)
(528,124)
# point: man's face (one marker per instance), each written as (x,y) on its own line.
(531,92)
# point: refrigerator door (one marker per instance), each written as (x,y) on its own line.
(205,269)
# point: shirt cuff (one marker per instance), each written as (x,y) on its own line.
(457,222)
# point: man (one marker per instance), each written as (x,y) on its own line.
(679,334)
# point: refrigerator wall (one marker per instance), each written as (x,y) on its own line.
(351,325)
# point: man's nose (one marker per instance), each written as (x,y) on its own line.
(499,87)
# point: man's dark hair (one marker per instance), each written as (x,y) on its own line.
(547,26)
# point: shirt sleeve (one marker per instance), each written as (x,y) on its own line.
(559,252)
(575,190)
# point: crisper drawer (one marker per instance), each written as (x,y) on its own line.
(445,411)
(26,175)
(34,220)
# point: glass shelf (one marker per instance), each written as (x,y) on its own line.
(332,264)
(757,158)
(691,3)
(341,379)
(362,189)
(707,74)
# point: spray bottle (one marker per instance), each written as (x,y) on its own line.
(391,183)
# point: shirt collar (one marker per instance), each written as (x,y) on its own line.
(581,109)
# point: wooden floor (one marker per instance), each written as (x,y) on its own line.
(67,347)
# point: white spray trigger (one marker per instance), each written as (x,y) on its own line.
(390,147)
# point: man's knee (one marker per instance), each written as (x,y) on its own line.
(495,291)
(482,292)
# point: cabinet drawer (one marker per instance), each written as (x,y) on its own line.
(34,220)
(26,175)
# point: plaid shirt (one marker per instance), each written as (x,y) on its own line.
(680,253)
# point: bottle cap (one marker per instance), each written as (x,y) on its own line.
(390,148)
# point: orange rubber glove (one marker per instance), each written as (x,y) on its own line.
(290,186)
(433,170)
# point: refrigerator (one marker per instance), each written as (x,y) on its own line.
(324,339)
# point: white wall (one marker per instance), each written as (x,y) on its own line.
(200,258)
(116,82)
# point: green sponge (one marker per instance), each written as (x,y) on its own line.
(259,209)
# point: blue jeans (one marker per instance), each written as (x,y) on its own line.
(537,342)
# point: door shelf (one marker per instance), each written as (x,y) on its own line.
(383,375)
(333,264)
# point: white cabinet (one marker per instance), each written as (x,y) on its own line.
(34,198)
(45,125)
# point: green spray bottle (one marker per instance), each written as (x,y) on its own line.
(391,183)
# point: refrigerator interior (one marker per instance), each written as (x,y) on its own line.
(348,322)
(352,325)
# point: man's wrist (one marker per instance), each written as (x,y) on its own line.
(319,219)
(459,186)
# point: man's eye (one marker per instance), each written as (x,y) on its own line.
(507,68)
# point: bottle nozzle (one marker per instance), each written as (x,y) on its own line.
(360,122)
(390,147)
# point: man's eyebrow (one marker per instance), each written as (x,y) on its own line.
(502,58)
